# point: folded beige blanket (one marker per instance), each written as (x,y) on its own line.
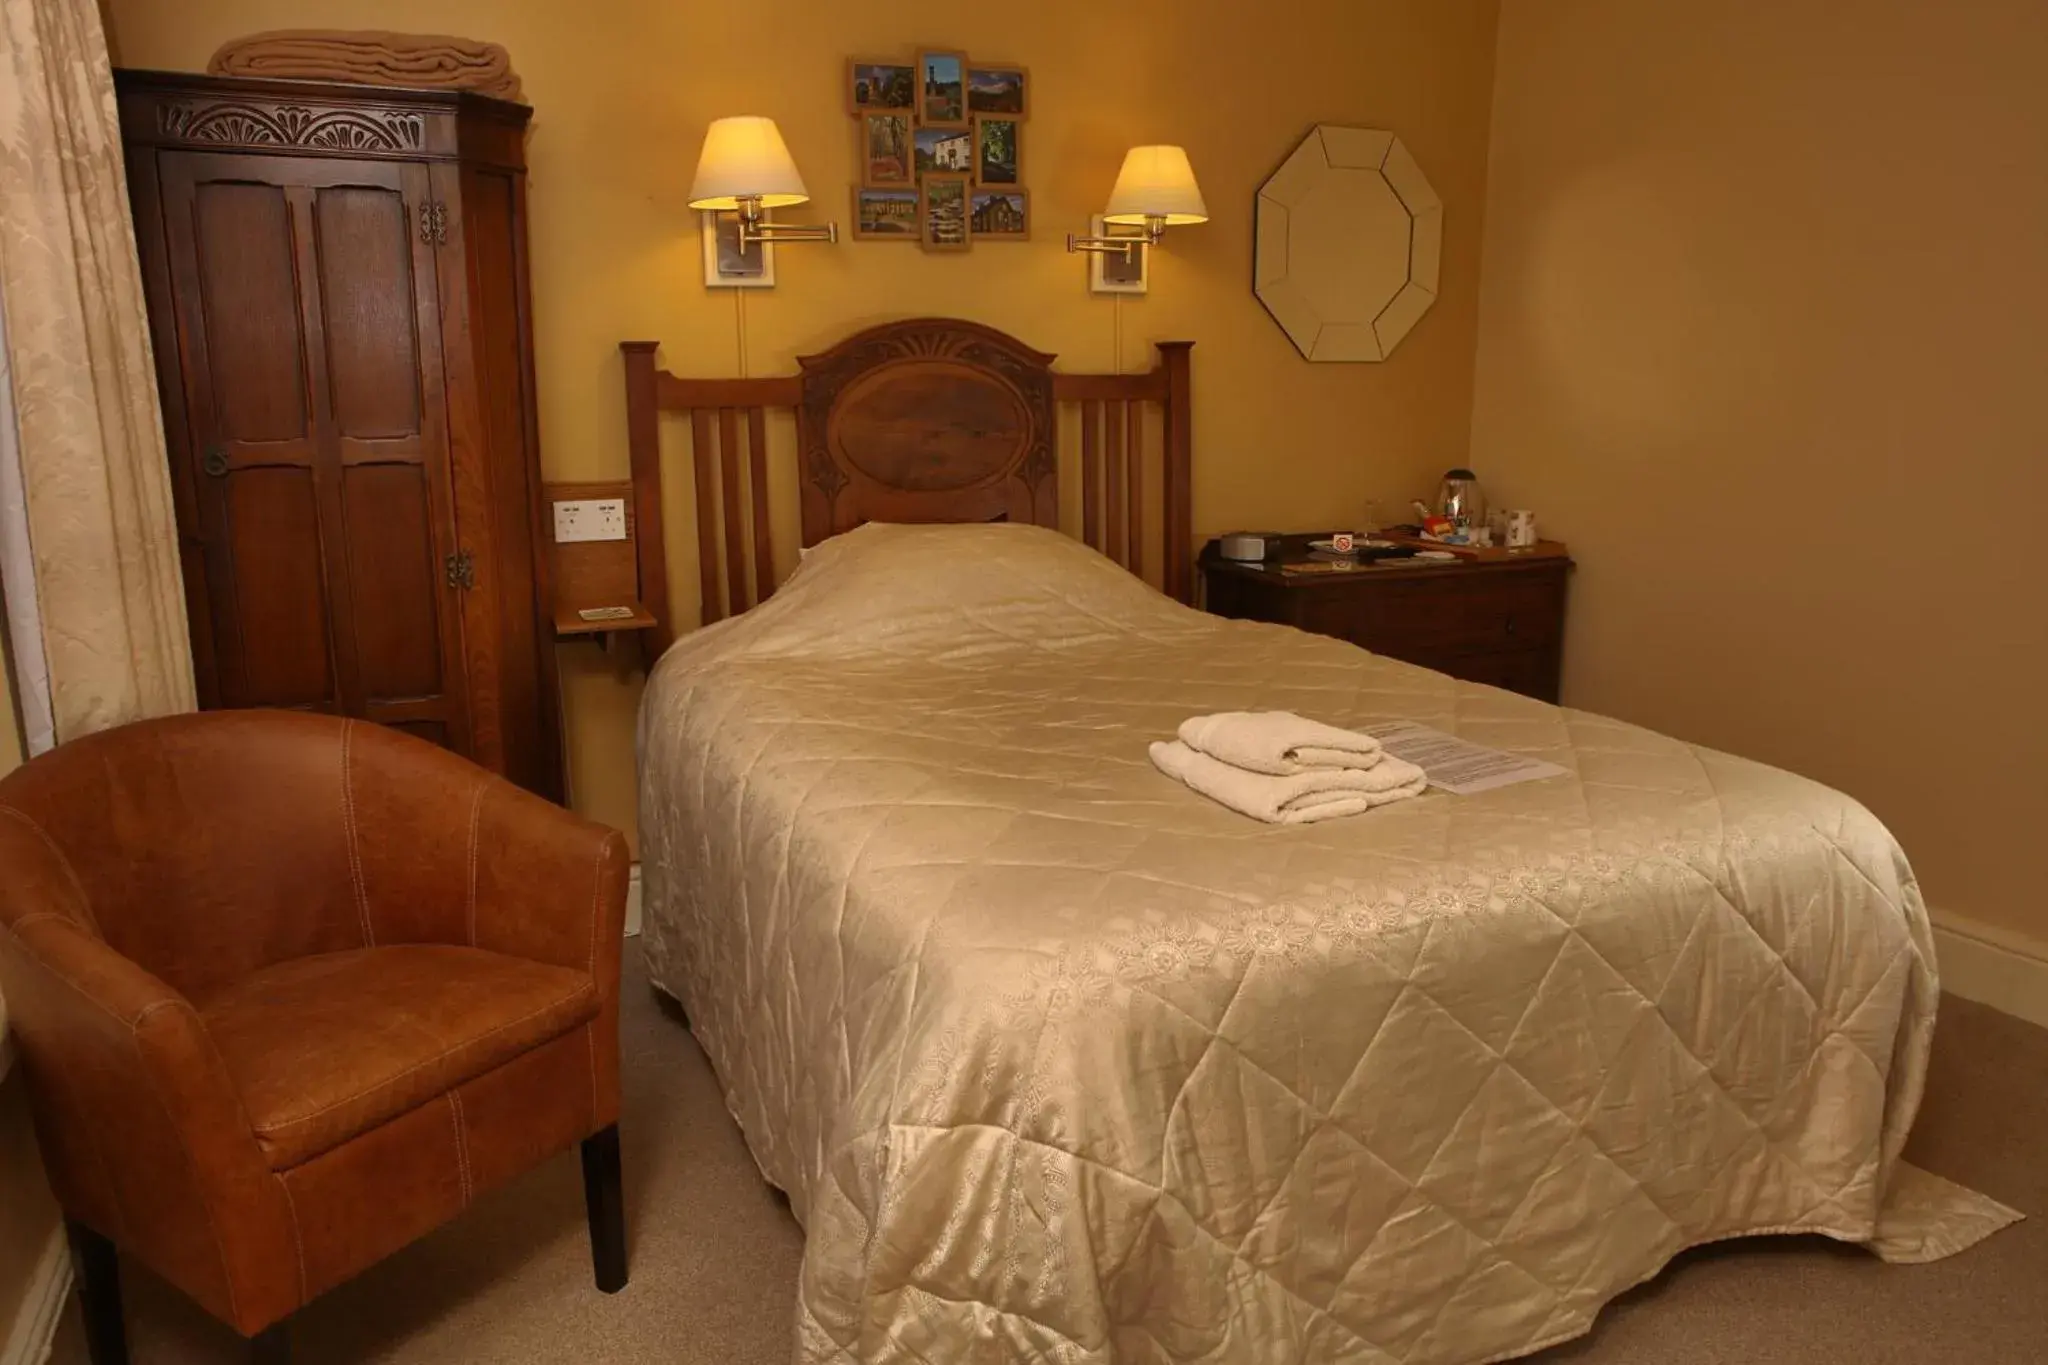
(1277,742)
(373,57)
(1299,799)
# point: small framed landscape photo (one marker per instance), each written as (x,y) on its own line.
(1118,272)
(888,214)
(998,145)
(944,150)
(885,149)
(998,90)
(880,85)
(942,89)
(1000,215)
(943,215)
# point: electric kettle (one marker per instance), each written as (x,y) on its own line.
(1461,499)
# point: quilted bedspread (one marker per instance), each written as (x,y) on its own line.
(1059,1061)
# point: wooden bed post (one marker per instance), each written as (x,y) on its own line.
(643,436)
(1177,491)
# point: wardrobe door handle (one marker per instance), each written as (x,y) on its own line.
(215,462)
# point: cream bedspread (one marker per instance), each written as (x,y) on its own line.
(1058,1060)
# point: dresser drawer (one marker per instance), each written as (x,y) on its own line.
(1389,616)
(1525,612)
(1483,613)
(1499,622)
(1531,672)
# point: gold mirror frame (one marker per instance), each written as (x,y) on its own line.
(1349,244)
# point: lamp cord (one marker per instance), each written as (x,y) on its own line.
(739,326)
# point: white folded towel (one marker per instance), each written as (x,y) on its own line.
(1278,742)
(1300,799)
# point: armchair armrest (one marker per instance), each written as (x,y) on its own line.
(550,886)
(445,852)
(143,1132)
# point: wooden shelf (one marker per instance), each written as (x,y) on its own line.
(589,574)
(567,622)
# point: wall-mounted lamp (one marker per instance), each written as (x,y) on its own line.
(745,168)
(1155,190)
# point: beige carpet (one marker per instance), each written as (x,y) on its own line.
(714,1251)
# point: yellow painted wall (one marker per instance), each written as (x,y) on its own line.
(623,90)
(1763,337)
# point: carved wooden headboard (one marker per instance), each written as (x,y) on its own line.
(925,420)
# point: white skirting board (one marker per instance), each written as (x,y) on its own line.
(1992,966)
(35,1325)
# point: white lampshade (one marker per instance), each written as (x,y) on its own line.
(744,158)
(1156,182)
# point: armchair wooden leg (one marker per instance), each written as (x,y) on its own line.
(272,1346)
(98,1268)
(604,1198)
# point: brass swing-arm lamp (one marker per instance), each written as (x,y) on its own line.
(745,168)
(1155,190)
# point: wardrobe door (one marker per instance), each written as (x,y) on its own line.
(309,336)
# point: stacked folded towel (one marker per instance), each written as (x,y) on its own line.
(1285,769)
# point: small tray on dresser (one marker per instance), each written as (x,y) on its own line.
(1493,617)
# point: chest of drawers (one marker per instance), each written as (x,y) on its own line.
(1498,620)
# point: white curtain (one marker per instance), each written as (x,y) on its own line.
(17,565)
(88,540)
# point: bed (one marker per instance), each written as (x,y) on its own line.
(1057,1060)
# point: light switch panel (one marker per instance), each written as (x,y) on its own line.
(590,519)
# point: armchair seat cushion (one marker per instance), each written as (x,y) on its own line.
(326,1047)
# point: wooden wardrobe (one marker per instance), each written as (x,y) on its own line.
(337,283)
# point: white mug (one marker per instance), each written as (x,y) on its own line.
(1521,528)
(1341,542)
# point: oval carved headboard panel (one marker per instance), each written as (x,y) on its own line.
(930,419)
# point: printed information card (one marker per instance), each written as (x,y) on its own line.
(1458,766)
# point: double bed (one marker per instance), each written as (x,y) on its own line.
(1057,1060)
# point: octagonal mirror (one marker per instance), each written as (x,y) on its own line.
(1350,238)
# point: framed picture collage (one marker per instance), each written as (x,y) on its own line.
(941,150)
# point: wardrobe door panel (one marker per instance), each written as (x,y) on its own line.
(251,442)
(243,234)
(278,654)
(367,298)
(308,318)
(394,572)
(378,334)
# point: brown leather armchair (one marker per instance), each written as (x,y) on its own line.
(290,991)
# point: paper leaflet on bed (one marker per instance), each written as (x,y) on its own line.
(1456,765)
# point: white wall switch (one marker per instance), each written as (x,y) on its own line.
(590,519)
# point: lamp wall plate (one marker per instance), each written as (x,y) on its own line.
(1111,272)
(728,264)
